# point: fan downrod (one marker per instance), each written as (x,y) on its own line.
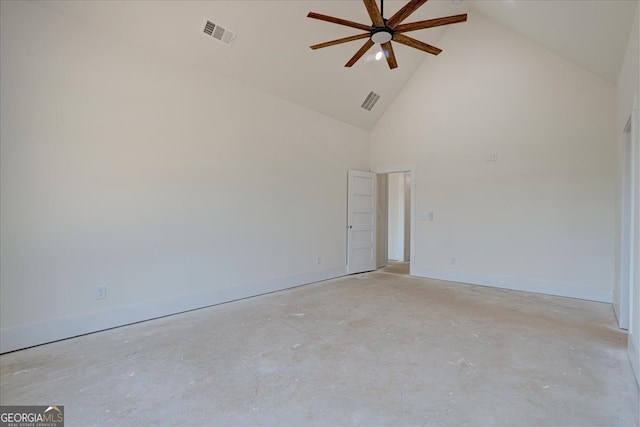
(381,35)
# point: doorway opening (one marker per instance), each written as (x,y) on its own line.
(394,222)
(622,297)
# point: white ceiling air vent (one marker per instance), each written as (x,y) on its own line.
(223,35)
(370,101)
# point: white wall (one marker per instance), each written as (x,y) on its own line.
(541,217)
(628,87)
(173,187)
(634,339)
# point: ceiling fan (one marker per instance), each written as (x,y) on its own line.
(383,31)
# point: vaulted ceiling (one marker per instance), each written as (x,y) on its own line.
(271,50)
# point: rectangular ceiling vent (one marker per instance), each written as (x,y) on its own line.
(370,101)
(221,34)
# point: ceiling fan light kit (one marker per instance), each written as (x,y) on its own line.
(381,35)
(383,31)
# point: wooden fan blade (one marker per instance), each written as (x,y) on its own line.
(430,23)
(374,12)
(359,53)
(411,42)
(339,21)
(404,13)
(388,53)
(339,41)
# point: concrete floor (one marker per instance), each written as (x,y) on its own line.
(395,267)
(371,349)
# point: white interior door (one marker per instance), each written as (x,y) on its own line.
(361,217)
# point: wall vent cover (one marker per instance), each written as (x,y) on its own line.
(219,33)
(370,101)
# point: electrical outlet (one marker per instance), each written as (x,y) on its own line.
(101,292)
(318,260)
(454,261)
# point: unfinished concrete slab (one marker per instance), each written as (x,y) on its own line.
(370,349)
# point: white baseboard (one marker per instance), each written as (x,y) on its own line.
(634,357)
(57,329)
(517,284)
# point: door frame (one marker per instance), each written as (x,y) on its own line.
(384,170)
(622,297)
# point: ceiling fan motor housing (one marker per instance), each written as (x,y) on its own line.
(381,35)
